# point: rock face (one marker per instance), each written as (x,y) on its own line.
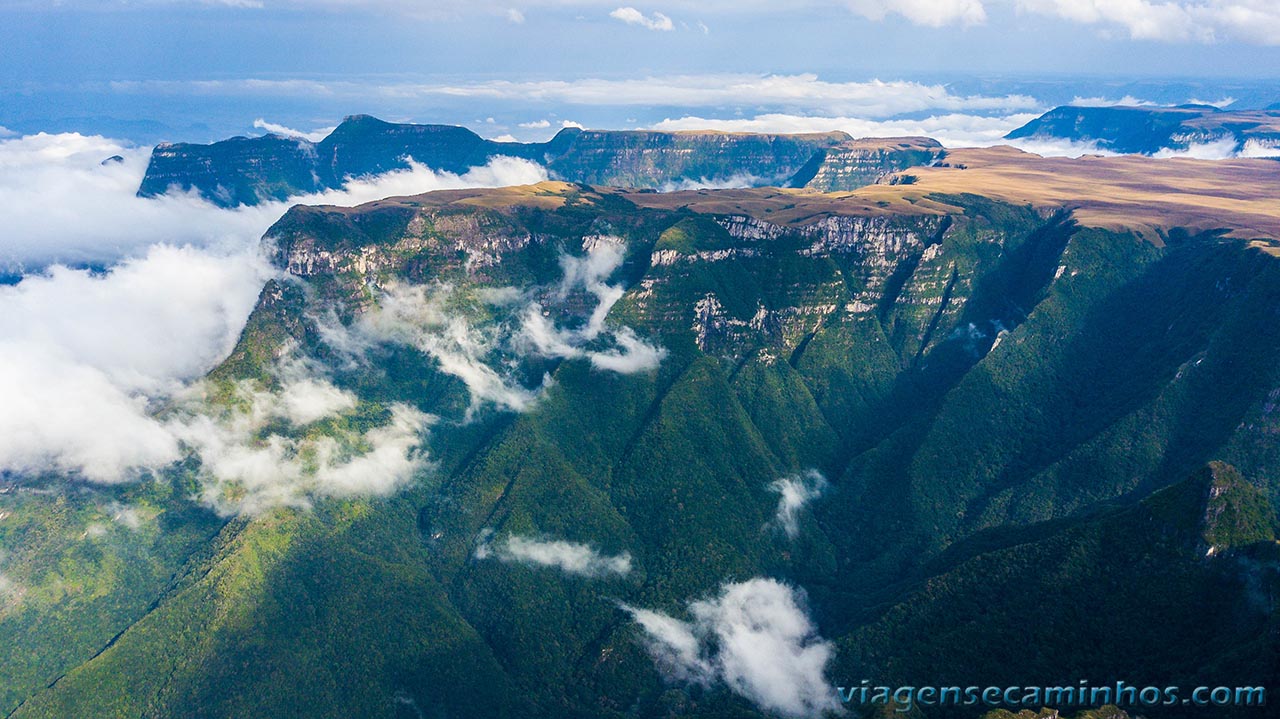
(1006,407)
(1145,130)
(246,171)
(858,163)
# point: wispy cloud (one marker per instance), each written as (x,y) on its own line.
(632,16)
(756,638)
(931,13)
(794,492)
(249,467)
(1254,21)
(273,128)
(476,339)
(86,357)
(568,557)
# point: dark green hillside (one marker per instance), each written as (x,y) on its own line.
(1125,594)
(1007,407)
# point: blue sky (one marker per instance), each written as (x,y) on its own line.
(198,69)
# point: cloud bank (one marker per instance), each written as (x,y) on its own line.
(568,557)
(754,637)
(88,358)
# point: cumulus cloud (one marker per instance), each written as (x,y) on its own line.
(536,124)
(514,16)
(1126,101)
(632,16)
(568,557)
(756,638)
(794,492)
(1256,21)
(590,272)
(273,128)
(932,13)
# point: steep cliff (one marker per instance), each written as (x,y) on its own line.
(1148,130)
(995,395)
(245,171)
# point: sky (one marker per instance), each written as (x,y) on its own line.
(202,69)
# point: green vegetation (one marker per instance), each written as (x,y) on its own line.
(1007,406)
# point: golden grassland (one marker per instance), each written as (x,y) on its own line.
(1141,194)
(1144,195)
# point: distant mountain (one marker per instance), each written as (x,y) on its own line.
(245,171)
(1148,130)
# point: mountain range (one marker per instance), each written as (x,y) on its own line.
(246,171)
(924,418)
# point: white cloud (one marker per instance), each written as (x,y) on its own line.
(807,92)
(86,357)
(1259,148)
(756,638)
(1255,21)
(1217,150)
(536,124)
(932,13)
(421,316)
(794,492)
(538,334)
(1126,101)
(83,355)
(514,16)
(1220,104)
(246,472)
(479,348)
(313,136)
(952,130)
(632,16)
(568,557)
(6,132)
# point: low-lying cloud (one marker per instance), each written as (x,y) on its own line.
(754,637)
(951,129)
(473,336)
(88,357)
(569,557)
(273,128)
(794,492)
(62,203)
(249,466)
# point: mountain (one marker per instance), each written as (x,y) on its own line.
(1148,130)
(246,171)
(1020,431)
